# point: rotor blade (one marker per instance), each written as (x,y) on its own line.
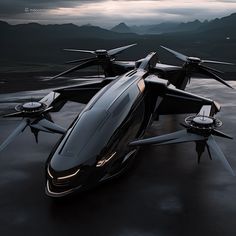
(177,54)
(213,146)
(116,51)
(79,50)
(166,67)
(35,133)
(48,126)
(14,114)
(80,60)
(217,62)
(38,127)
(212,75)
(20,128)
(176,137)
(158,139)
(205,111)
(220,134)
(188,137)
(212,69)
(209,153)
(126,64)
(77,67)
(48,99)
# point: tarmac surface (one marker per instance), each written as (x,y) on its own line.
(165,193)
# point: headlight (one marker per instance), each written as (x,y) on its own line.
(69,176)
(63,177)
(105,160)
(49,173)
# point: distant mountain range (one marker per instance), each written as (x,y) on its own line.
(223,25)
(170,27)
(122,28)
(59,31)
(36,43)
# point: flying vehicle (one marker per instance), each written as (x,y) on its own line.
(103,140)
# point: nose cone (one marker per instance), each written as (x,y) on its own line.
(69,173)
(64,182)
(59,184)
(73,164)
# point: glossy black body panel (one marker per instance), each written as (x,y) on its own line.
(114,117)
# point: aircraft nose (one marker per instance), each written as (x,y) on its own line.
(68,177)
(61,183)
(62,177)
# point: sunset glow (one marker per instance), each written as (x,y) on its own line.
(133,12)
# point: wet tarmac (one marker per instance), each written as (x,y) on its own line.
(165,193)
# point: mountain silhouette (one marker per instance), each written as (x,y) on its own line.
(35,30)
(36,43)
(121,28)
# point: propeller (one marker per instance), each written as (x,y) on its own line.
(102,52)
(35,115)
(102,57)
(90,62)
(195,64)
(200,129)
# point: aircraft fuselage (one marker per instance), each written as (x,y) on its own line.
(95,147)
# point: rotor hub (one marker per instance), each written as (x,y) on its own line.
(202,123)
(194,60)
(101,53)
(201,120)
(31,107)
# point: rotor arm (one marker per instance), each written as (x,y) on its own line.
(201,129)
(35,114)
(195,65)
(82,93)
(170,100)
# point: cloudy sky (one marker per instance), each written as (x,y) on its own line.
(107,13)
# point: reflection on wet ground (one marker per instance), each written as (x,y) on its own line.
(166,192)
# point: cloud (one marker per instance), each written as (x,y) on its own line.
(109,12)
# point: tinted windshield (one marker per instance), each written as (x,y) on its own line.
(82,132)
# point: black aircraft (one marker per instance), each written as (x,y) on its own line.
(105,137)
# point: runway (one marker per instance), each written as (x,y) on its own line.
(165,193)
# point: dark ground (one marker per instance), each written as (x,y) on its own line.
(165,193)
